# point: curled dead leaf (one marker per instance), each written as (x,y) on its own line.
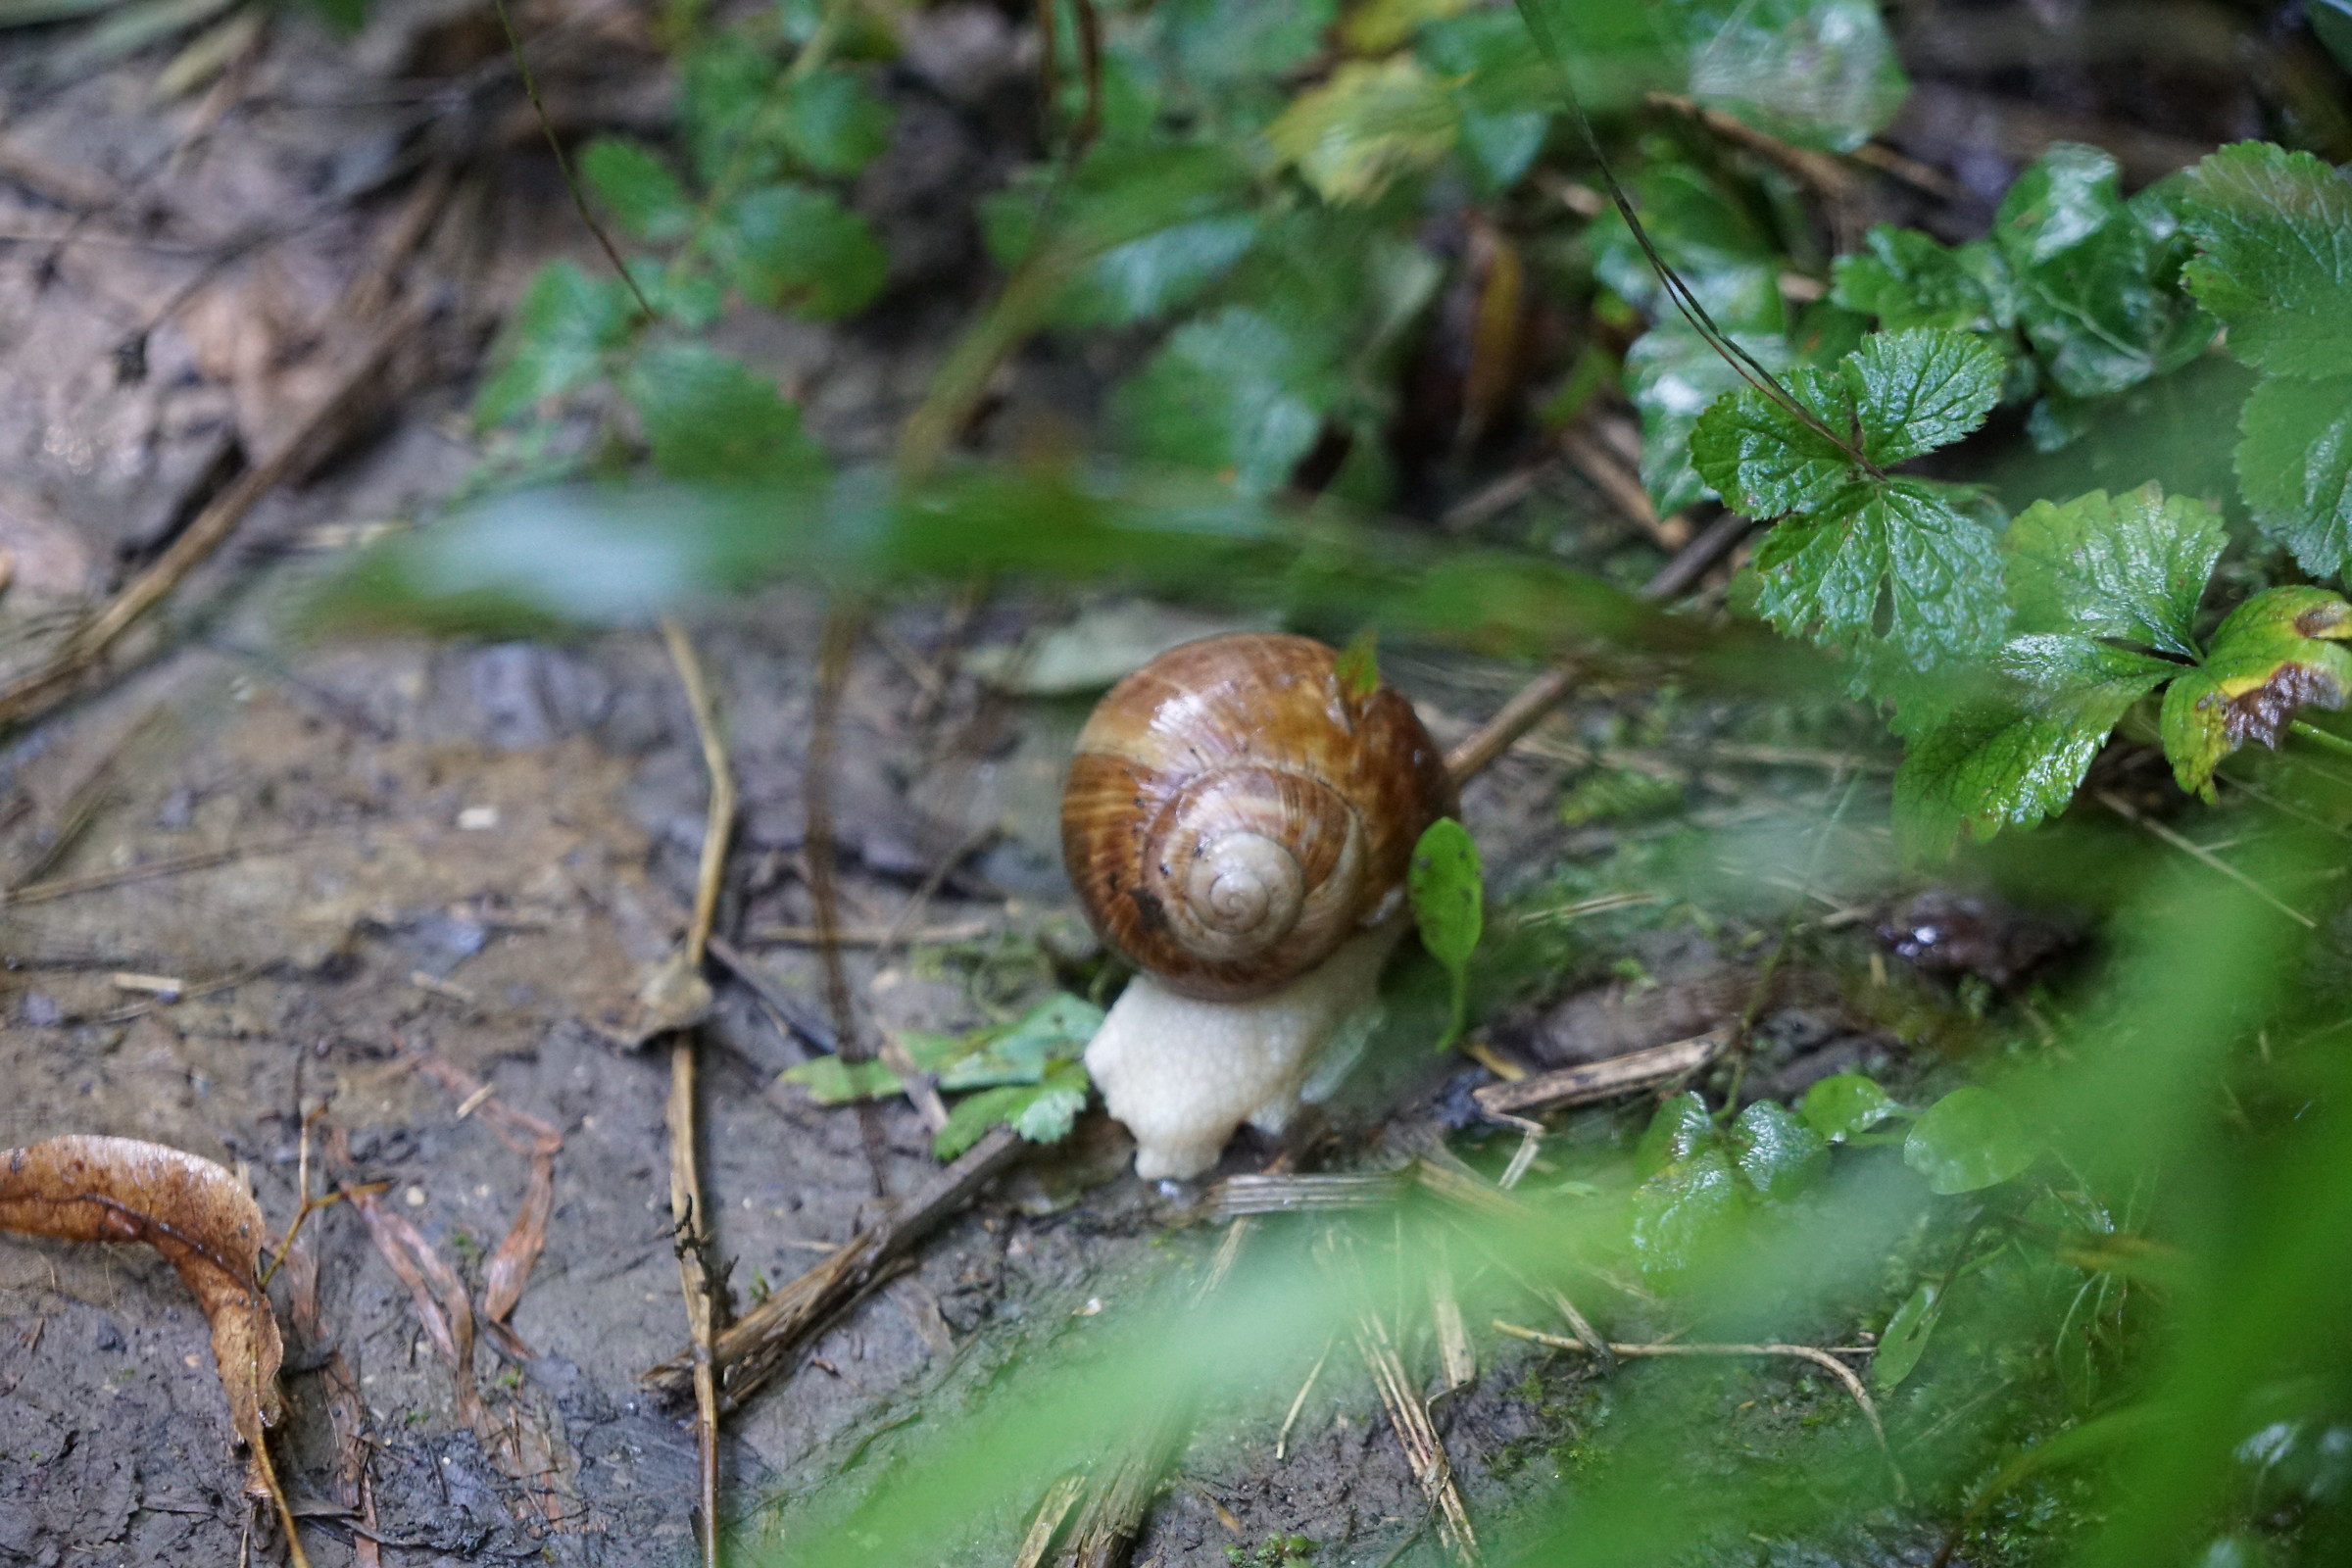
(193,1211)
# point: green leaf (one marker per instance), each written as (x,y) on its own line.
(1839,1106)
(1763,459)
(1901,545)
(1359,671)
(2279,649)
(722,83)
(831,1081)
(554,341)
(1447,889)
(1678,1130)
(2092,294)
(2015,756)
(1729,259)
(833,124)
(1779,1153)
(709,417)
(1042,1113)
(2132,568)
(1821,72)
(1907,278)
(1026,1050)
(791,244)
(1231,393)
(1916,390)
(2275,231)
(2332,20)
(1905,1338)
(1505,95)
(1683,1213)
(1370,122)
(1148,278)
(2295,466)
(1967,1140)
(1673,376)
(643,195)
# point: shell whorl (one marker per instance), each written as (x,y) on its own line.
(1233,815)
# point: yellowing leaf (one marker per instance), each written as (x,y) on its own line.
(1370,122)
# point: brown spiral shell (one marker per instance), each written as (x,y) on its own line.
(1233,813)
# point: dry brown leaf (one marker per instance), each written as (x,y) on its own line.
(193,1211)
(510,1264)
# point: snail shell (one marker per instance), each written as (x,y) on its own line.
(1234,815)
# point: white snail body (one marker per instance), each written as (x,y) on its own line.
(1238,824)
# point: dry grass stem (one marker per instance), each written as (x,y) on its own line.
(1290,1419)
(1602,1080)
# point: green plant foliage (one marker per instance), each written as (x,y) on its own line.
(1702,1180)
(1969,1139)
(1845,1104)
(1448,890)
(1042,1113)
(1779,1153)
(708,417)
(2279,651)
(1905,1338)
(637,188)
(795,245)
(1818,73)
(2274,231)
(1233,393)
(1369,123)
(556,341)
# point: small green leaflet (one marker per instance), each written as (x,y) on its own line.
(708,417)
(1969,1139)
(1778,1153)
(1448,896)
(1358,669)
(2277,652)
(1839,1106)
(2132,567)
(2274,230)
(637,187)
(1026,1053)
(796,245)
(556,340)
(1701,1180)
(1905,1337)
(1042,1113)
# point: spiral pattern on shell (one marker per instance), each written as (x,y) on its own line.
(1233,813)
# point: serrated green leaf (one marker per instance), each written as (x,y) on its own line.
(2132,566)
(2275,231)
(1448,890)
(1231,393)
(1678,1130)
(722,83)
(1905,1338)
(637,186)
(1673,375)
(554,341)
(1026,1050)
(2295,466)
(1819,72)
(1371,122)
(2279,651)
(708,418)
(1902,545)
(1844,1105)
(1042,1113)
(1916,390)
(833,124)
(1969,1139)
(1907,278)
(970,1118)
(795,245)
(2017,757)
(1764,460)
(1778,1153)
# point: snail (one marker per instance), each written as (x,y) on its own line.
(1238,823)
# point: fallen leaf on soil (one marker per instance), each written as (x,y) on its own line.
(193,1211)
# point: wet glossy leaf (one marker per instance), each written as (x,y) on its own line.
(833,124)
(2332,20)
(1839,1106)
(2132,566)
(1766,461)
(1731,260)
(1231,393)
(1779,1153)
(1683,1211)
(1916,390)
(2274,231)
(1820,73)
(709,417)
(637,187)
(1907,278)
(2015,756)
(1967,1140)
(1448,890)
(798,246)
(1673,375)
(556,340)
(1905,1337)
(1500,88)
(1146,278)
(2294,468)
(1371,122)
(1902,545)
(2279,651)
(1678,1130)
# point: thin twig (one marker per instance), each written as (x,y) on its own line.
(1539,696)
(1282,1439)
(1599,1080)
(555,145)
(688,1211)
(170,865)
